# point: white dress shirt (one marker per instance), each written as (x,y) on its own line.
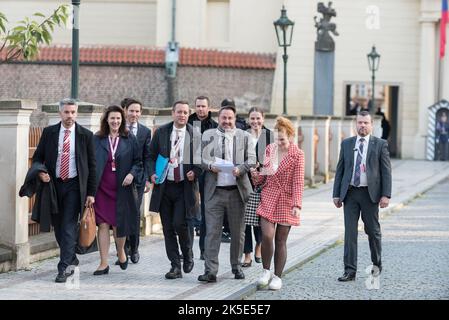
(72,161)
(363,177)
(182,134)
(133,127)
(225,179)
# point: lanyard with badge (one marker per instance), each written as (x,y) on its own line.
(113,145)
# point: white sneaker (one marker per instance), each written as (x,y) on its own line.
(276,283)
(266,277)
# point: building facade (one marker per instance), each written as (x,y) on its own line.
(411,77)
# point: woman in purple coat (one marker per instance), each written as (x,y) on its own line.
(119,164)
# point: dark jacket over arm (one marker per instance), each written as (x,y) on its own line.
(46,202)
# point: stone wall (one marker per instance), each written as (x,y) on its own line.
(108,84)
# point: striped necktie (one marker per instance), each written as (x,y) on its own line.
(65,157)
(358,163)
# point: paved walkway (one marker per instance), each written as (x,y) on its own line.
(415,242)
(322,226)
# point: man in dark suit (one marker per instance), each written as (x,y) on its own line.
(363,184)
(133,111)
(203,118)
(176,198)
(67,150)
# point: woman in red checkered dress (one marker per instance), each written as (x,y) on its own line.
(282,177)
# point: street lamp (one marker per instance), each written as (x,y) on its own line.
(75,49)
(373,63)
(284,33)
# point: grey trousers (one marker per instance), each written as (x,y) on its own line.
(222,201)
(358,201)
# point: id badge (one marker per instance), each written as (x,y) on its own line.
(113,166)
(173,162)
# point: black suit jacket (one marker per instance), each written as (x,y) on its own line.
(47,154)
(161,144)
(378,169)
(143,141)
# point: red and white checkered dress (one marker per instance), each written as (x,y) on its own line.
(283,189)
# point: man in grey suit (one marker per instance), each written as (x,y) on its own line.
(226,189)
(362,183)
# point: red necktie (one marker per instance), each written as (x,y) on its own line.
(177,170)
(65,157)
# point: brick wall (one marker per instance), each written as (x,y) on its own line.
(108,84)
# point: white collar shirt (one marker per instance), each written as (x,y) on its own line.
(363,176)
(133,127)
(182,133)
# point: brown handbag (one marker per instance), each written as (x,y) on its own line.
(88,228)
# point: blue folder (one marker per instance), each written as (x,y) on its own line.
(161,169)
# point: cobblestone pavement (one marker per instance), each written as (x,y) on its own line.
(415,245)
(321,226)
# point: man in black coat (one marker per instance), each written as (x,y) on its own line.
(67,150)
(176,197)
(363,184)
(203,118)
(133,111)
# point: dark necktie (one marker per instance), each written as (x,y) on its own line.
(177,170)
(358,163)
(223,148)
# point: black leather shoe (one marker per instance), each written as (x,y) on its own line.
(123,265)
(63,275)
(376,270)
(347,276)
(207,277)
(135,257)
(187,266)
(174,273)
(75,262)
(238,274)
(258,259)
(101,272)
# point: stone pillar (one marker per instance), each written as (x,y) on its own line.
(308,129)
(348,127)
(322,124)
(270,120)
(147,119)
(427,85)
(89,114)
(323,83)
(14,129)
(377,126)
(335,132)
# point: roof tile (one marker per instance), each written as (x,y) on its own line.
(155,56)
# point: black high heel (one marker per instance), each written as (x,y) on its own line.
(123,265)
(101,272)
(247,264)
